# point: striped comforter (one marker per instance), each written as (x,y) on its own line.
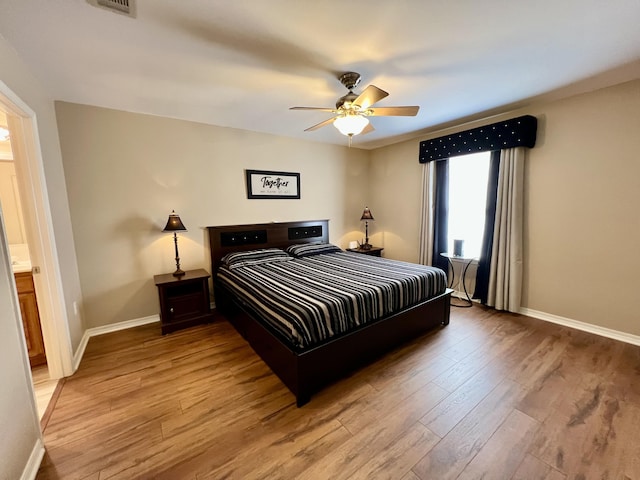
(315,298)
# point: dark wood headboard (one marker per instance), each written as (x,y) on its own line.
(239,238)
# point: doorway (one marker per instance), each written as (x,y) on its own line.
(37,232)
(16,235)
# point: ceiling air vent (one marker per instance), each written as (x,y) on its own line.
(126,7)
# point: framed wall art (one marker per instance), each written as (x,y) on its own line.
(268,184)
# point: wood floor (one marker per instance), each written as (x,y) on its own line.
(44,387)
(493,396)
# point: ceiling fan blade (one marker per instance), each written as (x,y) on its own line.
(321,109)
(369,128)
(371,95)
(395,111)
(320,125)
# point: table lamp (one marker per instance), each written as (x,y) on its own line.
(174,224)
(366,216)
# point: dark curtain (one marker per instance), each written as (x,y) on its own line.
(440,231)
(484,264)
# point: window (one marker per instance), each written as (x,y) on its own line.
(468,178)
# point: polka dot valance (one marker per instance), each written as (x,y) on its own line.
(516,132)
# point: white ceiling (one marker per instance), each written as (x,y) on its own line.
(243,63)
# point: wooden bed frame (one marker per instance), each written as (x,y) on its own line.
(305,372)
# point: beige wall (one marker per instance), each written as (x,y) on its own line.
(396,179)
(582,209)
(18,417)
(581,213)
(125,173)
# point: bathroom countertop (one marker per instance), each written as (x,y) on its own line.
(21,267)
(20,258)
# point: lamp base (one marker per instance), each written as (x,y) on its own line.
(178,273)
(365,246)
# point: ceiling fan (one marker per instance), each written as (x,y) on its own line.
(352,110)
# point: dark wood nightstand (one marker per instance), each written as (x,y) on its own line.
(184,301)
(373,251)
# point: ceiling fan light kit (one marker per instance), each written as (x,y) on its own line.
(350,124)
(352,110)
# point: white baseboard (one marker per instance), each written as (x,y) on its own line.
(585,327)
(35,459)
(114,327)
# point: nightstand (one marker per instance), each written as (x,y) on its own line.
(373,251)
(184,301)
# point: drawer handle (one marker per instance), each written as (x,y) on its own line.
(171,309)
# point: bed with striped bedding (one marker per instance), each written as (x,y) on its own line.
(309,343)
(311,299)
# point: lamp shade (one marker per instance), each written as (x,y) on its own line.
(367,215)
(174,224)
(350,124)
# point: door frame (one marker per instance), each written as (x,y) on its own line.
(29,166)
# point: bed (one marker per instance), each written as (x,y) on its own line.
(307,363)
